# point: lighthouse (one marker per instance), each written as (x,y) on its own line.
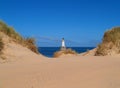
(63,44)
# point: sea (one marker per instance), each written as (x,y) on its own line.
(49,51)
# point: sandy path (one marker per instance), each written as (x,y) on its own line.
(69,72)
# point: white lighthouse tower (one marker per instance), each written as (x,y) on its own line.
(63,44)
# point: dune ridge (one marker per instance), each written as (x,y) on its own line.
(26,69)
(22,68)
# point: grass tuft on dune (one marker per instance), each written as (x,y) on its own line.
(16,37)
(65,52)
(110,44)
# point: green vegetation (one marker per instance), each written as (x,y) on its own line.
(65,52)
(110,43)
(28,42)
(9,31)
(1,45)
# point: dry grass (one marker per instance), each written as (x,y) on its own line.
(27,42)
(112,35)
(101,50)
(1,45)
(9,31)
(30,43)
(65,52)
(1,48)
(111,41)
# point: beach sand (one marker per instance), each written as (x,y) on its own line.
(25,69)
(65,72)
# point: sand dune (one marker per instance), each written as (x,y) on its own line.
(25,69)
(68,72)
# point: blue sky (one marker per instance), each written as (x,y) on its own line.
(80,22)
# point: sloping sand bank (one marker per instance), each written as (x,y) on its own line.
(64,72)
